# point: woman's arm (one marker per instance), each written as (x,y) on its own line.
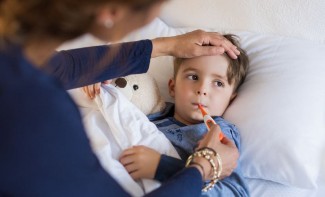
(84,66)
(193,44)
(234,185)
(167,167)
(187,183)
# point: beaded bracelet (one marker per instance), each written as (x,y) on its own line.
(210,149)
(208,154)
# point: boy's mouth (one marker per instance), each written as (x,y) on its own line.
(197,105)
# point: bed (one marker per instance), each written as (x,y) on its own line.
(280,108)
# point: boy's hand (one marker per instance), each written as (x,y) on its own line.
(140,162)
(93,90)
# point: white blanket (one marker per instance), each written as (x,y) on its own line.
(113,124)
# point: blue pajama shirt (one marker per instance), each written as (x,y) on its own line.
(185,138)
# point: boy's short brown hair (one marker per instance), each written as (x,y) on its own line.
(237,68)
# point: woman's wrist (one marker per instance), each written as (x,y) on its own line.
(204,160)
(203,165)
(162,46)
(199,167)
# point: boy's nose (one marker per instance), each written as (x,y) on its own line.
(200,92)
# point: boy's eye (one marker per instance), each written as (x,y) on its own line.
(193,77)
(219,84)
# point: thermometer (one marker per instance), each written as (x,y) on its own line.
(208,120)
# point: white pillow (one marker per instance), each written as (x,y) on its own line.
(280,108)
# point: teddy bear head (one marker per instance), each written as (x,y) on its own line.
(142,90)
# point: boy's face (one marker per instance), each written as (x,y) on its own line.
(201,80)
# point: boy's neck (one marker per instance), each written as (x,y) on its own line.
(179,119)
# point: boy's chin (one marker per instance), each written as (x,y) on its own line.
(197,120)
(191,121)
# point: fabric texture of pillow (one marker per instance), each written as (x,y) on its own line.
(280,108)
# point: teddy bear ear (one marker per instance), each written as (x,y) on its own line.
(121,82)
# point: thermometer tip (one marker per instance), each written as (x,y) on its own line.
(202,110)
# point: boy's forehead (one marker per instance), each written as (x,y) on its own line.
(211,58)
(216,62)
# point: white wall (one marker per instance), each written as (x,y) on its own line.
(296,18)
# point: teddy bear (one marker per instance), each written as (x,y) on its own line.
(142,90)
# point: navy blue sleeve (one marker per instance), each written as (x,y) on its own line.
(44,150)
(85,66)
(186,183)
(167,167)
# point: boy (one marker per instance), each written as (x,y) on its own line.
(211,81)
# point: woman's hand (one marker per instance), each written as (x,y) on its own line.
(192,44)
(140,162)
(225,148)
(92,90)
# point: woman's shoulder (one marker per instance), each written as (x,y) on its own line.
(8,50)
(10,56)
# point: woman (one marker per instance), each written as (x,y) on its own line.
(43,147)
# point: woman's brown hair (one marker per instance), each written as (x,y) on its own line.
(62,19)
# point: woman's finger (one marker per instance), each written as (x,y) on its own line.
(107,81)
(91,90)
(228,142)
(221,41)
(97,88)
(86,90)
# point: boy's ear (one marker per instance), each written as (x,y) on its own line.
(171,87)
